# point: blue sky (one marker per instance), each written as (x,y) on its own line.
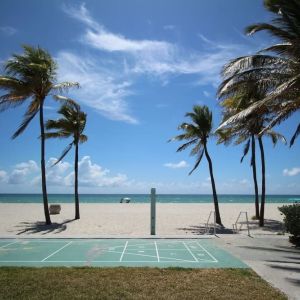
(141,65)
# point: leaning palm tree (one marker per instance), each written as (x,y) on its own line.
(71,124)
(278,69)
(32,76)
(197,134)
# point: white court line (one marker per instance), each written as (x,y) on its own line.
(147,255)
(9,244)
(190,251)
(94,261)
(214,259)
(57,251)
(156,251)
(123,251)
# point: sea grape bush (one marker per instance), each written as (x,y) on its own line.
(292,221)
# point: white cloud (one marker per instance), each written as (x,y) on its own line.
(101,88)
(94,175)
(157,57)
(292,172)
(169,27)
(56,173)
(21,171)
(179,165)
(98,37)
(30,166)
(8,30)
(206,94)
(89,175)
(244,181)
(3,176)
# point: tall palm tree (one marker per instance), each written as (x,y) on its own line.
(197,133)
(71,124)
(32,76)
(278,69)
(241,96)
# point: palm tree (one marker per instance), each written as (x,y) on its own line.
(278,72)
(71,124)
(197,134)
(226,136)
(241,96)
(32,75)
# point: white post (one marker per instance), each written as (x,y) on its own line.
(153,210)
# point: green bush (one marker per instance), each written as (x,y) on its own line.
(292,221)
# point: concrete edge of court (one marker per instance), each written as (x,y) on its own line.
(150,237)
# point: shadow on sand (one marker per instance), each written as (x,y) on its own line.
(200,230)
(41,227)
(271,226)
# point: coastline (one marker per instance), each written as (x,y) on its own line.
(130,219)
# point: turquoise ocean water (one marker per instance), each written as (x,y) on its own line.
(139,198)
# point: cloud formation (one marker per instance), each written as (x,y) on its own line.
(180,165)
(21,171)
(292,172)
(3,176)
(8,30)
(101,87)
(93,175)
(115,62)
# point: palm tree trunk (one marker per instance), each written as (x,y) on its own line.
(43,168)
(253,164)
(263,183)
(77,216)
(216,204)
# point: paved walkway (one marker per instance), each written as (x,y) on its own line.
(272,257)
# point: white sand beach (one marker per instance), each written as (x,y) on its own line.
(130,219)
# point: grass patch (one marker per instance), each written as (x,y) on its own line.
(133,283)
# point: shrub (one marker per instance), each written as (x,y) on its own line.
(292,221)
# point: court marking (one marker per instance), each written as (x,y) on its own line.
(57,251)
(158,252)
(190,251)
(8,244)
(123,251)
(207,252)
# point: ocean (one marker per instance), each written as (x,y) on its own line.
(140,198)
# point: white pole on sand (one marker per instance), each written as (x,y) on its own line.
(153,211)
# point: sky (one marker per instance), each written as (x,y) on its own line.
(141,66)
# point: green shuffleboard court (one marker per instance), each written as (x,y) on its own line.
(186,253)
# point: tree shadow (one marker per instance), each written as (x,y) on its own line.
(269,225)
(201,230)
(284,261)
(294,281)
(286,268)
(42,228)
(277,249)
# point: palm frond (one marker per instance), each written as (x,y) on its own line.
(197,162)
(271,29)
(58,134)
(186,145)
(64,153)
(82,138)
(275,136)
(246,150)
(297,132)
(65,100)
(65,86)
(27,119)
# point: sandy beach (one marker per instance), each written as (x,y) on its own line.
(126,219)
